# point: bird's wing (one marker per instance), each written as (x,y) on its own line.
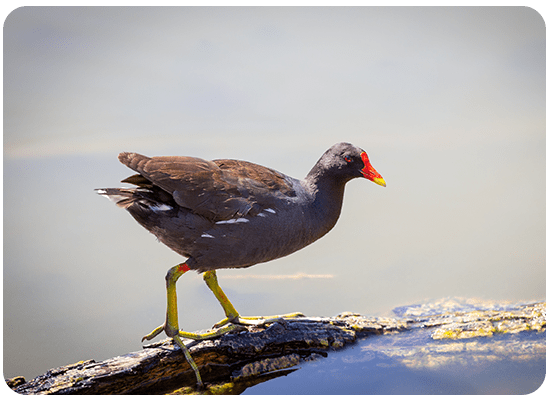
(218,190)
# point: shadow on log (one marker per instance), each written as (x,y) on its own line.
(233,362)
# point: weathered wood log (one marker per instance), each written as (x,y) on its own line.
(260,353)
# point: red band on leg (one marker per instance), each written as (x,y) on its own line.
(183,268)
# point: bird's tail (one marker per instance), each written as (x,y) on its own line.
(137,200)
(123,198)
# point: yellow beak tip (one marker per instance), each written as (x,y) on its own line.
(379,181)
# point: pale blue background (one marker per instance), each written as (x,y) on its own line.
(448,102)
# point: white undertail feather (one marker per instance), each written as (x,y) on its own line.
(119,197)
(159,207)
(124,198)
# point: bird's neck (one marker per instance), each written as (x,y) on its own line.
(327,196)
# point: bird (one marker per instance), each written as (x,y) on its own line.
(229,213)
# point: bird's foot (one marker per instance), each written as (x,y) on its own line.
(255,321)
(177,335)
(195,336)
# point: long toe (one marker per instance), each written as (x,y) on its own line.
(256,321)
(154,333)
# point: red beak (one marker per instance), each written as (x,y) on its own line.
(370,173)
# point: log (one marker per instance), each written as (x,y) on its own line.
(235,361)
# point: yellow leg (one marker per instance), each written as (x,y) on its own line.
(171,326)
(211,280)
(232,316)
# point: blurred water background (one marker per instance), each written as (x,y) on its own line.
(449,103)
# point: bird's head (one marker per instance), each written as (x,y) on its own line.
(346,161)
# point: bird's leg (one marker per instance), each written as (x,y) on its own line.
(171,326)
(211,280)
(232,316)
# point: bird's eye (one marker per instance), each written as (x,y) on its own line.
(348,159)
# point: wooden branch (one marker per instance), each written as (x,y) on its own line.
(260,353)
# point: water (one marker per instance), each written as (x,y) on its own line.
(410,363)
(427,92)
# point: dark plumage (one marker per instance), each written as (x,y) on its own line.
(231,214)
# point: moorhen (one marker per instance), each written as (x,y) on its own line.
(233,214)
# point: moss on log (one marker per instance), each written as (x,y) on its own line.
(233,362)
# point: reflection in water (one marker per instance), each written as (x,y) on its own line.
(234,388)
(414,363)
(454,346)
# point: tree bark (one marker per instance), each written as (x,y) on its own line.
(262,352)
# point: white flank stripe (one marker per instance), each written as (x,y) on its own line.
(206,235)
(232,221)
(272,211)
